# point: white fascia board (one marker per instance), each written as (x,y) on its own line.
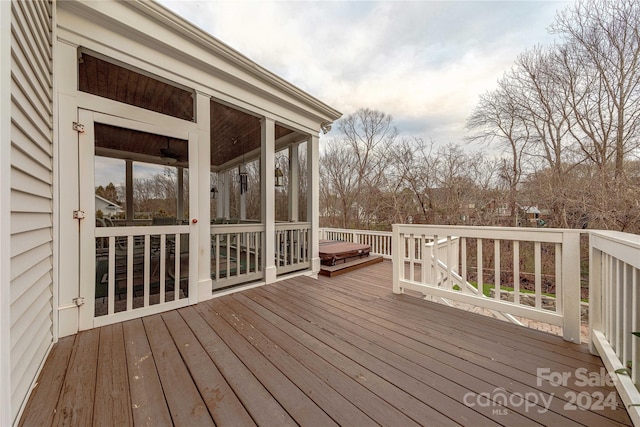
(155,27)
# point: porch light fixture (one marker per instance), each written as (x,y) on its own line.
(279,176)
(214,193)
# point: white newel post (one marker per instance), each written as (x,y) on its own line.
(595,293)
(571,286)
(396,257)
(267,179)
(203,251)
(294,183)
(313,199)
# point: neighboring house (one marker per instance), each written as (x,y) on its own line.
(134,83)
(108,208)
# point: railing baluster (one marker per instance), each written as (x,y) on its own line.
(111,286)
(516,272)
(538,273)
(176,268)
(412,251)
(635,323)
(130,272)
(449,263)
(163,266)
(463,255)
(627,304)
(479,266)
(558,278)
(147,270)
(497,270)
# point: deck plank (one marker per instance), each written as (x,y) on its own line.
(112,401)
(149,407)
(185,403)
(75,406)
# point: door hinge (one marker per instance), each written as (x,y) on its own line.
(78,301)
(78,127)
(78,214)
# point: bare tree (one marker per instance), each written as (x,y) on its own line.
(603,54)
(353,166)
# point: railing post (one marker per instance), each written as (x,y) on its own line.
(595,293)
(571,286)
(396,258)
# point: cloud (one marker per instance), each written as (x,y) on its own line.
(425,63)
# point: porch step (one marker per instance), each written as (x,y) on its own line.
(337,269)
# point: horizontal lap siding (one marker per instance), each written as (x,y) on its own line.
(31,242)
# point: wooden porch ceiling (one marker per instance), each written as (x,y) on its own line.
(341,350)
(233,132)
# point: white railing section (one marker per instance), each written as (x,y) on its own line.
(236,254)
(137,269)
(450,262)
(614,300)
(379,241)
(292,247)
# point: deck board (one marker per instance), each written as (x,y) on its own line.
(75,405)
(112,380)
(148,403)
(333,351)
(185,403)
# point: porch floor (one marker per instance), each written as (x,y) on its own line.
(340,350)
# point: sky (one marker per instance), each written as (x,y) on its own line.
(425,63)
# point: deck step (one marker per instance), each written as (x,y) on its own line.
(346,267)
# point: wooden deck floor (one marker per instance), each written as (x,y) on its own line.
(336,351)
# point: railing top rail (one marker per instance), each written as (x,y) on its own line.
(292,225)
(623,246)
(627,239)
(140,230)
(236,228)
(551,235)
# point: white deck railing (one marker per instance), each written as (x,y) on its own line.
(471,248)
(236,254)
(292,246)
(614,299)
(379,241)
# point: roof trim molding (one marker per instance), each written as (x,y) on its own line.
(188,31)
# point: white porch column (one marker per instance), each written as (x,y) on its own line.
(243,197)
(203,251)
(313,199)
(267,194)
(294,183)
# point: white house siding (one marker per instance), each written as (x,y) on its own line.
(31,289)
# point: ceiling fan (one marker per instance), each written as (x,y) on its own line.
(171,156)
